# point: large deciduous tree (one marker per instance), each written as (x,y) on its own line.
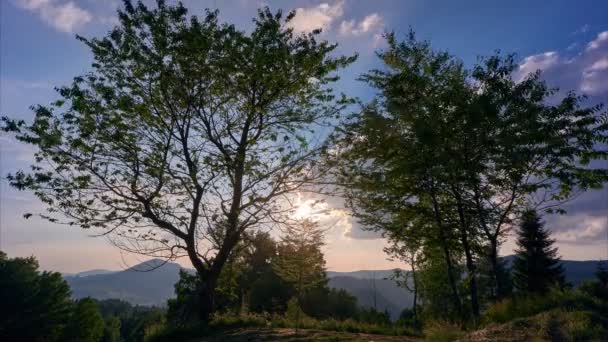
(186,133)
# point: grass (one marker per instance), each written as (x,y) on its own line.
(270,324)
(552,325)
(513,308)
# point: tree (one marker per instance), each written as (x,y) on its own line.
(602,273)
(185,134)
(35,305)
(536,267)
(399,157)
(111,331)
(462,152)
(86,323)
(262,289)
(300,261)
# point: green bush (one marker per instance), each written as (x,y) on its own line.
(518,307)
(442,331)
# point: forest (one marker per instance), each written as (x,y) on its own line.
(189,139)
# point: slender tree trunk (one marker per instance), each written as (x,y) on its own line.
(415,304)
(447,255)
(496,270)
(472,270)
(470,263)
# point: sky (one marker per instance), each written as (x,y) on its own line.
(566,40)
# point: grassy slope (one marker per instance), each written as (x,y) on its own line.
(553,325)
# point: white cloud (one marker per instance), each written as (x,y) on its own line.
(600,40)
(63,16)
(585,229)
(586,72)
(533,63)
(371,23)
(594,77)
(318,17)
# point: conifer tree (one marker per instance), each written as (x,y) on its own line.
(537,266)
(300,261)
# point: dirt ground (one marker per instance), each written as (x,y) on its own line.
(263,334)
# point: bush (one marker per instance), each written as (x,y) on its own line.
(440,331)
(512,308)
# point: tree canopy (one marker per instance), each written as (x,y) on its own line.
(446,158)
(186,133)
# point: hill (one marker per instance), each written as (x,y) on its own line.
(144,285)
(386,297)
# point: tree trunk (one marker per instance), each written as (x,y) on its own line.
(499,291)
(415,304)
(471,269)
(206,295)
(447,255)
(472,277)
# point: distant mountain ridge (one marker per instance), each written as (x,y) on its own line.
(149,283)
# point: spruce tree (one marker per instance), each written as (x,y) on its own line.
(536,267)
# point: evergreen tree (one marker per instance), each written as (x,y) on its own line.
(300,261)
(537,266)
(111,332)
(601,273)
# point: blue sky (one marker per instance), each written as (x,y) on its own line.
(568,40)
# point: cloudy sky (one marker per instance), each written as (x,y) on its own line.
(567,40)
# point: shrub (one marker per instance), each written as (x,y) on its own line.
(512,308)
(440,331)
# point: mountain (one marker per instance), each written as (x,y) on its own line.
(87,273)
(149,284)
(576,271)
(383,294)
(145,284)
(363,274)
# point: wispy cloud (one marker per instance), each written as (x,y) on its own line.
(63,16)
(583,29)
(318,17)
(371,23)
(600,40)
(586,72)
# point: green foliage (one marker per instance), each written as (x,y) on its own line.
(86,323)
(536,267)
(35,306)
(111,331)
(321,302)
(442,331)
(300,261)
(553,325)
(518,307)
(183,309)
(445,159)
(218,120)
(134,320)
(373,316)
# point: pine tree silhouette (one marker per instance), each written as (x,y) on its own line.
(536,267)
